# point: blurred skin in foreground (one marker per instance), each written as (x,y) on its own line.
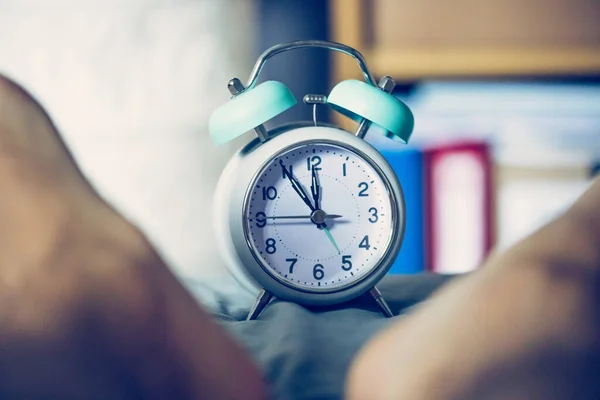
(89,310)
(524,326)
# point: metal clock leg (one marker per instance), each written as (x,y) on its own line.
(261,302)
(383,305)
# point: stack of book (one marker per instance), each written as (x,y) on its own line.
(489,164)
(448,191)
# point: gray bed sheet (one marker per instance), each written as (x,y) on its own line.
(305,353)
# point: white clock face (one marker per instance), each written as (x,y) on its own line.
(319,217)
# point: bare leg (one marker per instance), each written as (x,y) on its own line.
(525,326)
(87,308)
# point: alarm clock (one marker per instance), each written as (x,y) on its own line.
(307,212)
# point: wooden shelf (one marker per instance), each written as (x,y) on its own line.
(456,57)
(415,64)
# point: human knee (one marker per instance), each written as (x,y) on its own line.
(10,91)
(18,105)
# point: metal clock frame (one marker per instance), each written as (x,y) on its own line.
(258,155)
(267,146)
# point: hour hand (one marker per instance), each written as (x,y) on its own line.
(297,187)
(315,188)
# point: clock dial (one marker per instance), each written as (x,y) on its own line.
(319,217)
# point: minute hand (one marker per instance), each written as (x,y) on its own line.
(296,186)
(331,216)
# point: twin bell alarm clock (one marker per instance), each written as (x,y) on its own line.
(306,213)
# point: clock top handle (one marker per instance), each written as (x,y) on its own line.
(280,48)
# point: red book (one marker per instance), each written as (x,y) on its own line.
(459,216)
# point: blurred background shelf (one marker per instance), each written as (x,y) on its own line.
(468,38)
(408,64)
(506,97)
(518,80)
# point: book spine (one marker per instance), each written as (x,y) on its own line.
(408,166)
(459,206)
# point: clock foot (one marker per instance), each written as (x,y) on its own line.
(383,305)
(261,302)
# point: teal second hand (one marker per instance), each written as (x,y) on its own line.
(331,239)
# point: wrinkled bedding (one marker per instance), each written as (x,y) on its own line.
(305,353)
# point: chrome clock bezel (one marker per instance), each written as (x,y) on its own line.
(257,157)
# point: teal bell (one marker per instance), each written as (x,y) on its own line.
(249,110)
(361,101)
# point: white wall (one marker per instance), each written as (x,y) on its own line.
(131,85)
